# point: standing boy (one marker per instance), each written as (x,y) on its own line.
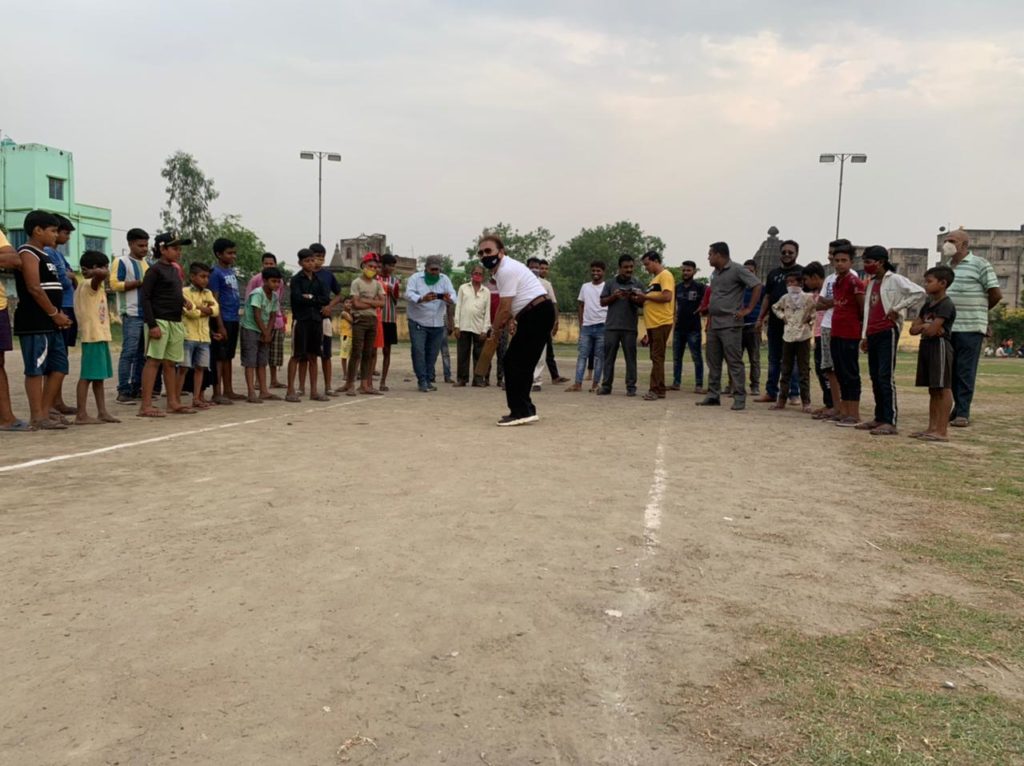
(814,277)
(8,260)
(162,305)
(94,332)
(326,276)
(775,288)
(591,315)
(367,297)
(687,334)
(847,303)
(38,320)
(269,261)
(261,307)
(796,308)
(68,283)
(200,308)
(621,298)
(224,286)
(388,314)
(659,311)
(934,324)
(126,284)
(309,301)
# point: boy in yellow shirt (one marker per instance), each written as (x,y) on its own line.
(346,335)
(200,306)
(93,319)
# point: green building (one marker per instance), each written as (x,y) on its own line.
(37,177)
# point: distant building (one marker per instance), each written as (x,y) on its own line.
(348,254)
(911,262)
(1004,249)
(38,177)
(767,255)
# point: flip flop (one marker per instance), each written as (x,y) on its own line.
(371,392)
(319,398)
(18,425)
(150,414)
(917,434)
(271,398)
(293,398)
(182,411)
(351,393)
(50,425)
(932,438)
(254,400)
(650,396)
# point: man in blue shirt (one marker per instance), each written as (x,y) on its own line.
(224,286)
(68,283)
(428,295)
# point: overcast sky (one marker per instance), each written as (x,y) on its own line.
(699,121)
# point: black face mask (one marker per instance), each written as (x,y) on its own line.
(489,261)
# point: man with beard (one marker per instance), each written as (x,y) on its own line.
(775,288)
(622,298)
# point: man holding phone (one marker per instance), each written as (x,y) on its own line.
(428,295)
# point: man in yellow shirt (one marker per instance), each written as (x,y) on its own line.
(8,260)
(659,302)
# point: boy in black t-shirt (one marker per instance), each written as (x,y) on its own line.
(935,355)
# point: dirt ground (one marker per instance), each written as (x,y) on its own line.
(396,580)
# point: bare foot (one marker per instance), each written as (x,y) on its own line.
(150,412)
(106,417)
(85,420)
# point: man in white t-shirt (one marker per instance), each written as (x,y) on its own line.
(592,317)
(536,265)
(827,366)
(524,299)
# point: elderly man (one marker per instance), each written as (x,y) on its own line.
(974,292)
(472,323)
(427,294)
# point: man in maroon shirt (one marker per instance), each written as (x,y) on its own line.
(848,304)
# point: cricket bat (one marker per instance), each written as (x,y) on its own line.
(486,354)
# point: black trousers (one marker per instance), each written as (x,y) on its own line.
(467,345)
(533,328)
(846,358)
(800,352)
(549,358)
(612,340)
(882,368)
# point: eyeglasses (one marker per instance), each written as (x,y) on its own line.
(789,252)
(486,251)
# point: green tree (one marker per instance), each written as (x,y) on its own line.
(189,194)
(571,265)
(249,246)
(1007,323)
(520,245)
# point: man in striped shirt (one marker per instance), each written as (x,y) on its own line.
(974,292)
(392,287)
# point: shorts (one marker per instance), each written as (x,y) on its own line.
(224,350)
(346,346)
(307,338)
(44,353)
(170,346)
(325,350)
(96,364)
(70,333)
(825,341)
(254,353)
(935,363)
(390,333)
(196,354)
(6,339)
(277,348)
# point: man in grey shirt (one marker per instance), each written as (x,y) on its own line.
(622,294)
(725,325)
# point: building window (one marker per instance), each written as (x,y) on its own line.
(1004,282)
(99,244)
(348,253)
(56,187)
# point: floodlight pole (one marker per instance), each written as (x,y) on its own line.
(839,206)
(843,157)
(319,156)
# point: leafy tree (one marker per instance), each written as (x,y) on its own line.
(519,245)
(189,194)
(571,265)
(1007,323)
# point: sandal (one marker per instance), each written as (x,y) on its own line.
(149,414)
(847,422)
(869,425)
(650,396)
(18,425)
(271,398)
(254,399)
(926,437)
(885,430)
(293,398)
(182,411)
(320,398)
(50,425)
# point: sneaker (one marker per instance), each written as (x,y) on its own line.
(603,391)
(125,399)
(510,420)
(709,402)
(631,392)
(738,404)
(755,391)
(535,389)
(847,422)
(960,422)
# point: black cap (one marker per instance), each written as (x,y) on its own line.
(134,234)
(875,253)
(169,238)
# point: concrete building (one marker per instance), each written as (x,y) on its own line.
(911,262)
(348,254)
(38,177)
(1004,249)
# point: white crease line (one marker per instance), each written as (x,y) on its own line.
(652,513)
(165,437)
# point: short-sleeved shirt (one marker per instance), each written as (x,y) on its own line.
(3,292)
(517,282)
(29,317)
(974,277)
(590,297)
(688,300)
(387,313)
(258,301)
(621,316)
(727,288)
(64,272)
(91,313)
(367,290)
(330,281)
(945,310)
(755,311)
(224,286)
(846,322)
(659,314)
(826,293)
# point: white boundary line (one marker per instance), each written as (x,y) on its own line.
(652,512)
(163,438)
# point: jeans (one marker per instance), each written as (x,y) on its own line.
(658,337)
(826,390)
(771,383)
(467,346)
(882,368)
(689,339)
(966,353)
(533,328)
(612,340)
(426,343)
(133,355)
(726,343)
(797,354)
(591,344)
(846,361)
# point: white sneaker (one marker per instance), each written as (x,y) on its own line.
(508,420)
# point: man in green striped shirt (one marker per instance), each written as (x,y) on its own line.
(974,292)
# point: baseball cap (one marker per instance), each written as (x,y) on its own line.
(169,238)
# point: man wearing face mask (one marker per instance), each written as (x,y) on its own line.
(974,292)
(427,294)
(775,288)
(523,298)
